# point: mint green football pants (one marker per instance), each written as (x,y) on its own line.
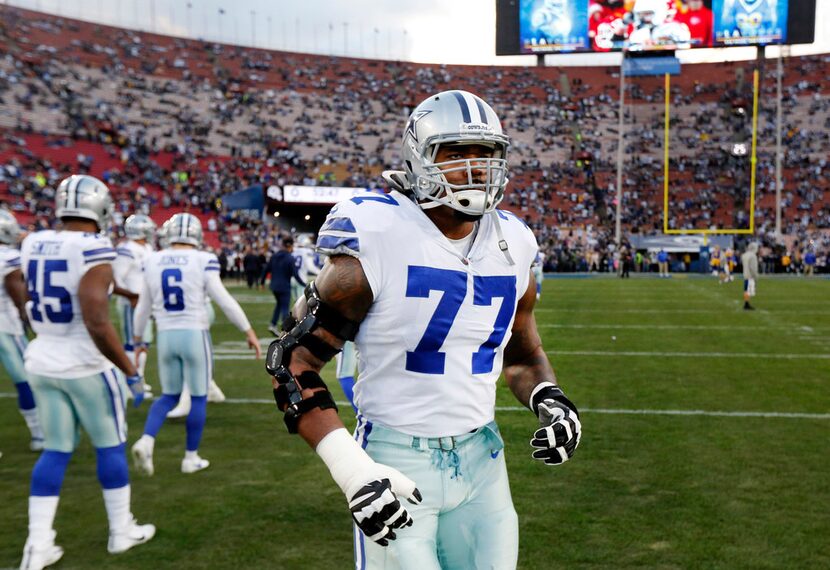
(466,520)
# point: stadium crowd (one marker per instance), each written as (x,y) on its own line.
(171,123)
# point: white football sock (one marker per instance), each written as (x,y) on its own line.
(41,518)
(117,502)
(142,362)
(33,422)
(191,454)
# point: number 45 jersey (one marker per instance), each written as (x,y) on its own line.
(54,264)
(431,347)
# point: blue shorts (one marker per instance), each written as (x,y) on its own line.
(466,519)
(95,403)
(185,356)
(12,348)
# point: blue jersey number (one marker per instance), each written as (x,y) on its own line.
(384,198)
(53,300)
(427,357)
(173,294)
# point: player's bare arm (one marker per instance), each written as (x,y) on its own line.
(94,301)
(525,362)
(16,288)
(530,376)
(338,301)
(343,286)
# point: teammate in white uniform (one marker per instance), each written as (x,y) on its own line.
(70,365)
(140,231)
(538,274)
(176,281)
(441,286)
(12,339)
(307,269)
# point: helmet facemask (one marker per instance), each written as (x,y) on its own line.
(486,177)
(474,183)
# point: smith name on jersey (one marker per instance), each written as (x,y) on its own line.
(452,313)
(54,264)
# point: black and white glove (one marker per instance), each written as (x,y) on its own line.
(559,430)
(372,489)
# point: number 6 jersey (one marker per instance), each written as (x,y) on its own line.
(431,346)
(53,264)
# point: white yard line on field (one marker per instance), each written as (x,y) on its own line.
(773,356)
(607,411)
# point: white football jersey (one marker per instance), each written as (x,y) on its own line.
(177,284)
(304,262)
(9,319)
(431,347)
(53,264)
(128,265)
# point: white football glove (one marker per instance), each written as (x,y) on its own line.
(559,430)
(371,488)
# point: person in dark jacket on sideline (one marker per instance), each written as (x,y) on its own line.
(283,270)
(252,266)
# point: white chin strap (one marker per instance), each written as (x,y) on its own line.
(478,200)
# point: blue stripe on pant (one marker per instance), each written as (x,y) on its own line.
(94,403)
(466,519)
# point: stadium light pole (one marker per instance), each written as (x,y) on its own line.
(778,150)
(345,38)
(253,28)
(620,152)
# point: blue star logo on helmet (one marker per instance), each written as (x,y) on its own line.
(410,126)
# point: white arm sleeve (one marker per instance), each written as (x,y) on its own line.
(228,304)
(142,311)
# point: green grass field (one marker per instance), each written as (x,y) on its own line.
(706,444)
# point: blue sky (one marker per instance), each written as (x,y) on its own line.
(435,31)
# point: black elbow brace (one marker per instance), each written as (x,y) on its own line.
(290,400)
(288,394)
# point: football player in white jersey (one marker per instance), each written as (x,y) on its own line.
(538,274)
(140,231)
(12,312)
(434,284)
(176,281)
(70,364)
(307,270)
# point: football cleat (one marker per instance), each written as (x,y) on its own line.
(143,457)
(215,394)
(192,465)
(36,557)
(182,409)
(133,535)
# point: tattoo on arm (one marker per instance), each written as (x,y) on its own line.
(343,286)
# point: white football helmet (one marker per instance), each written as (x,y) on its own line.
(161,234)
(455,117)
(650,12)
(183,228)
(84,196)
(304,240)
(139,226)
(9,228)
